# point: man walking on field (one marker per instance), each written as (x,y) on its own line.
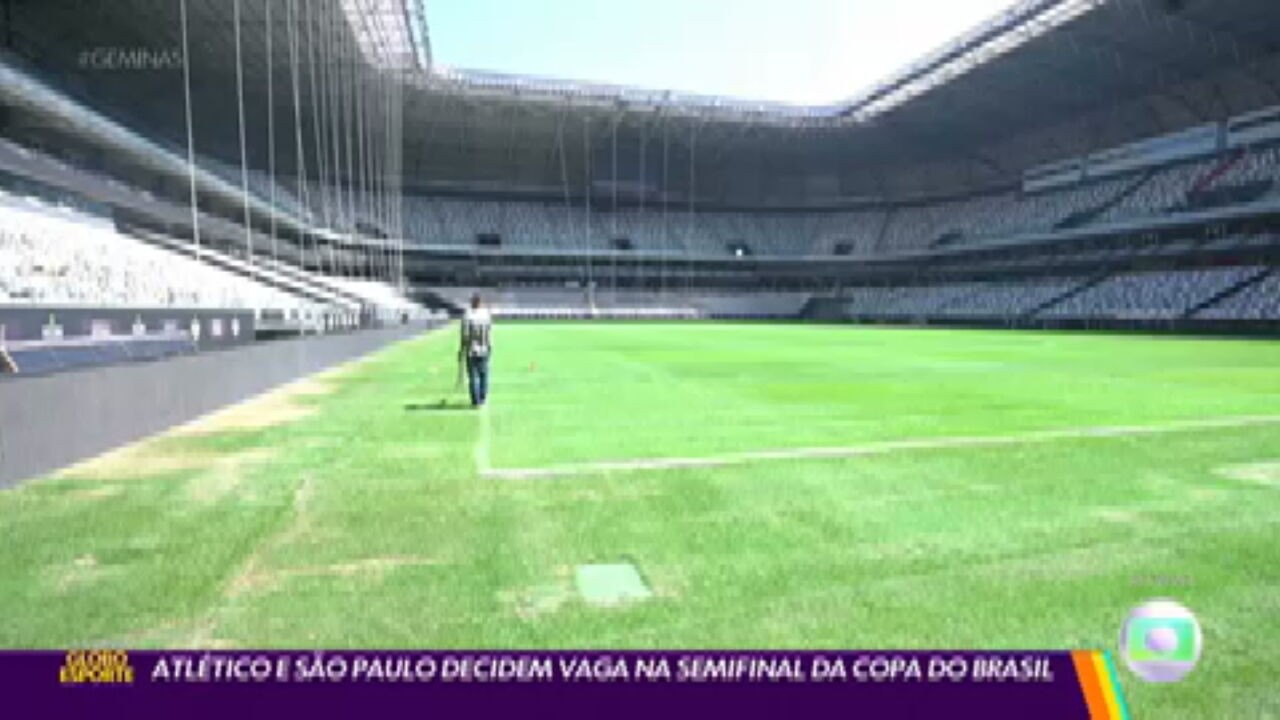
(477,326)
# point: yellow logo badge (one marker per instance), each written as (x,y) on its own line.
(96,667)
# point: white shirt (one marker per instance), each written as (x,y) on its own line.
(477,326)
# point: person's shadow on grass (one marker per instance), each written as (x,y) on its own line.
(438,406)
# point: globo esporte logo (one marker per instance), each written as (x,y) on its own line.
(1161,641)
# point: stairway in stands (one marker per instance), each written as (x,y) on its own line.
(277,274)
(1123,194)
(1212,176)
(1238,287)
(434,300)
(885,221)
(1077,290)
(1084,217)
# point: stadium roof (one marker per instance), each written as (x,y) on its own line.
(1047,80)
(390,33)
(1021,21)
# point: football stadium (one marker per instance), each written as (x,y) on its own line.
(982,355)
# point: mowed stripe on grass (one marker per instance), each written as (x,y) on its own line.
(399,540)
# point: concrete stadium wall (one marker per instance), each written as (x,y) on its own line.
(49,422)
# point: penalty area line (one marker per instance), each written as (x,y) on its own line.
(863,450)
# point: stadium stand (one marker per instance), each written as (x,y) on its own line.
(1011,299)
(921,225)
(1249,165)
(550,226)
(1152,295)
(52,255)
(1160,295)
(995,300)
(1161,192)
(577,302)
(907,302)
(1042,227)
(1259,300)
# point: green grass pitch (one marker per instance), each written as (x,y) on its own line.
(776,486)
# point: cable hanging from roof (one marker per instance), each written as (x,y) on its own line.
(342,149)
(613,256)
(320,133)
(346,69)
(300,158)
(244,158)
(397,156)
(663,190)
(382,166)
(376,248)
(271,129)
(586,206)
(333,198)
(564,173)
(691,227)
(386,175)
(334,64)
(373,246)
(191,144)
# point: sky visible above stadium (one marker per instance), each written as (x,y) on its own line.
(806,52)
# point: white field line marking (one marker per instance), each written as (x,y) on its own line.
(874,448)
(483,438)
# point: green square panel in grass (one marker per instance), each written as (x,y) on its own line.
(611,584)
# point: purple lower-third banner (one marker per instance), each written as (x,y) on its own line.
(1021,684)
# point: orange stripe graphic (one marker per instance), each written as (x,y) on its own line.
(1089,684)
